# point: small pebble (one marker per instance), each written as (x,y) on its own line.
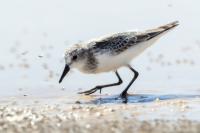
(77,102)
(98,114)
(88,126)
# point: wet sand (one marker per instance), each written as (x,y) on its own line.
(26,114)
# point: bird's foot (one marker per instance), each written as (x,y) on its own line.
(124,97)
(93,90)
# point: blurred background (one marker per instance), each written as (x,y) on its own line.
(34,35)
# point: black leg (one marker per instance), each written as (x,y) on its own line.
(136,74)
(93,90)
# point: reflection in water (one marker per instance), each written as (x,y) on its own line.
(140,98)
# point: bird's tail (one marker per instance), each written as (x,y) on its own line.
(162,29)
(149,37)
(169,26)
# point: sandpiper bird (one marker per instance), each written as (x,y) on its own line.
(111,52)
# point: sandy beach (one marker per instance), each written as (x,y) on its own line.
(50,115)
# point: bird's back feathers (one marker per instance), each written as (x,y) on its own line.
(119,42)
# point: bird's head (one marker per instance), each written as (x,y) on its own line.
(74,58)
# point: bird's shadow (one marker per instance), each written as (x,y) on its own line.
(138,98)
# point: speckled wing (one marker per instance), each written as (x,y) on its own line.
(119,42)
(115,43)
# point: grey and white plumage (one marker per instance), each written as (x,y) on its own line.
(111,52)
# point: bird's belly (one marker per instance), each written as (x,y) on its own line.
(113,62)
(108,62)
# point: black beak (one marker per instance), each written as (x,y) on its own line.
(66,70)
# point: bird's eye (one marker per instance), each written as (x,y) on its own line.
(74,57)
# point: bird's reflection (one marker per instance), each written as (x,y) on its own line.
(139,98)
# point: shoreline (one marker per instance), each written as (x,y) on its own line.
(55,115)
